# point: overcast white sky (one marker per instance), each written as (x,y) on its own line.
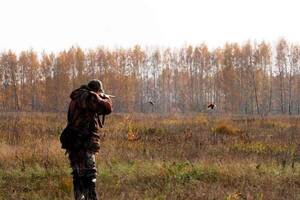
(53,25)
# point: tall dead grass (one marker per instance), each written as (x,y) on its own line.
(156,157)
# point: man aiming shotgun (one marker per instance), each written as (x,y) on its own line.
(81,138)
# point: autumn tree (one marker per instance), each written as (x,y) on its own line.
(248,78)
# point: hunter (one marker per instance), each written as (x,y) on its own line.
(81,139)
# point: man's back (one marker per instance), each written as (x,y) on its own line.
(84,108)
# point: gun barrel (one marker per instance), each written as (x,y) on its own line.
(108,95)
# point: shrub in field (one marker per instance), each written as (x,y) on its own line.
(201,120)
(171,122)
(137,131)
(132,133)
(226,128)
(236,196)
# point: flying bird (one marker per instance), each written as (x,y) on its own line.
(151,102)
(211,106)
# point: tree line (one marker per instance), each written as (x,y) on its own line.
(248,78)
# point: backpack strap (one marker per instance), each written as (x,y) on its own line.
(101,123)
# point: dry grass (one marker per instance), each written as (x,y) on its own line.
(156,157)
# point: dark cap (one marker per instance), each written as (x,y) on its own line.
(95,85)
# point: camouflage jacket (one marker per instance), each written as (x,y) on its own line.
(84,108)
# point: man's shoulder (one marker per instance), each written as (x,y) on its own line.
(79,92)
(94,94)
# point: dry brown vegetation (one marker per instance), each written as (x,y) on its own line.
(157,157)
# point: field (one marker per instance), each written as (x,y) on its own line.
(199,156)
